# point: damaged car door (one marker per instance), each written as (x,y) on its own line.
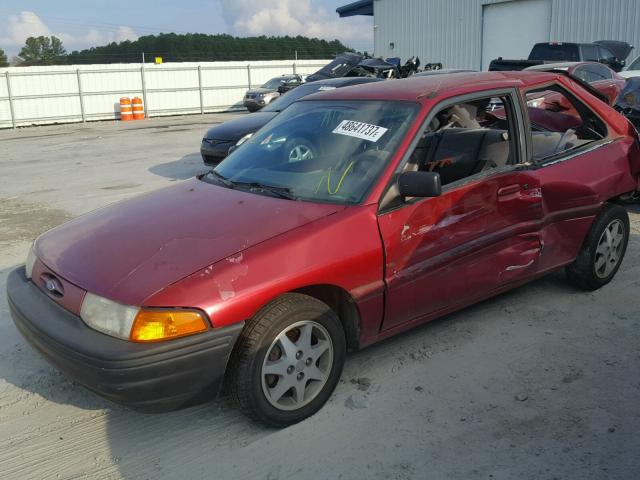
(482,233)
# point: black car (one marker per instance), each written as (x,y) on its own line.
(337,68)
(219,140)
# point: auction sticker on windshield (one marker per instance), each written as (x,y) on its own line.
(365,131)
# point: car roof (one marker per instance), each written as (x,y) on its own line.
(342,81)
(442,71)
(423,88)
(551,66)
(562,43)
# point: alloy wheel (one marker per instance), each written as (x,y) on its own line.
(297,365)
(610,248)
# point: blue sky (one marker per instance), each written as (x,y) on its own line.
(85,23)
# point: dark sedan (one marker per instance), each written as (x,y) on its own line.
(219,140)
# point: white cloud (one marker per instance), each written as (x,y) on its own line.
(22,26)
(295,17)
(28,24)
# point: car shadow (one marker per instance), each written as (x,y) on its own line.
(633,207)
(187,167)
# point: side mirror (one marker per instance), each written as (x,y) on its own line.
(419,184)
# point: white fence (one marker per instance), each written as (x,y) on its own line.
(79,93)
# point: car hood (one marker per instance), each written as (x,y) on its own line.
(339,67)
(130,250)
(629,73)
(254,91)
(618,48)
(237,128)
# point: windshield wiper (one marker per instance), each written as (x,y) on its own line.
(222,179)
(282,192)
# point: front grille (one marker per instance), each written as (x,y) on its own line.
(213,141)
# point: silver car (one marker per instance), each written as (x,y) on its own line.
(256,98)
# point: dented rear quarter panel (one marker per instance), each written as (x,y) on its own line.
(575,187)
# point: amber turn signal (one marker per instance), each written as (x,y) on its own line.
(158,325)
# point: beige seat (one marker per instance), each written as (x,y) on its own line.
(456,153)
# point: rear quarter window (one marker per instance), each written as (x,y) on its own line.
(560,123)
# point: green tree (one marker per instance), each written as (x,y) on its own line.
(43,51)
(193,47)
(3,59)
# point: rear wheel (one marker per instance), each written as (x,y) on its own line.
(288,361)
(603,249)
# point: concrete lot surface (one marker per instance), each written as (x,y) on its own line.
(539,383)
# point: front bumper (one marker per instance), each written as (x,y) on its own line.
(150,377)
(214,151)
(255,104)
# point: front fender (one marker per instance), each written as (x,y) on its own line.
(343,249)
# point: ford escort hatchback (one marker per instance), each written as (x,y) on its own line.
(413,201)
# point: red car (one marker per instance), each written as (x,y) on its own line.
(596,74)
(414,201)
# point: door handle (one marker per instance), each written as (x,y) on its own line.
(509,190)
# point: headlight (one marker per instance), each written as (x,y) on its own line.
(244,139)
(30,262)
(139,325)
(108,317)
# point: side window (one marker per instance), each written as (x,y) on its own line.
(583,74)
(465,139)
(560,122)
(600,72)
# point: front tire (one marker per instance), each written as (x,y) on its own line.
(603,249)
(287,361)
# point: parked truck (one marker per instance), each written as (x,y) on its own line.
(610,52)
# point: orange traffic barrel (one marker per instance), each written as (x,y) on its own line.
(138,110)
(125,109)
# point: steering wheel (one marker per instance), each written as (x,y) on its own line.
(366,163)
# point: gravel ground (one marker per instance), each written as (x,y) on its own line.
(538,383)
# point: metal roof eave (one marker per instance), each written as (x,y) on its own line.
(361,7)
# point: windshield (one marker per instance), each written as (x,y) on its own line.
(291,96)
(324,151)
(635,65)
(274,83)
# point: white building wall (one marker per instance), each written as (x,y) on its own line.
(450,31)
(43,95)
